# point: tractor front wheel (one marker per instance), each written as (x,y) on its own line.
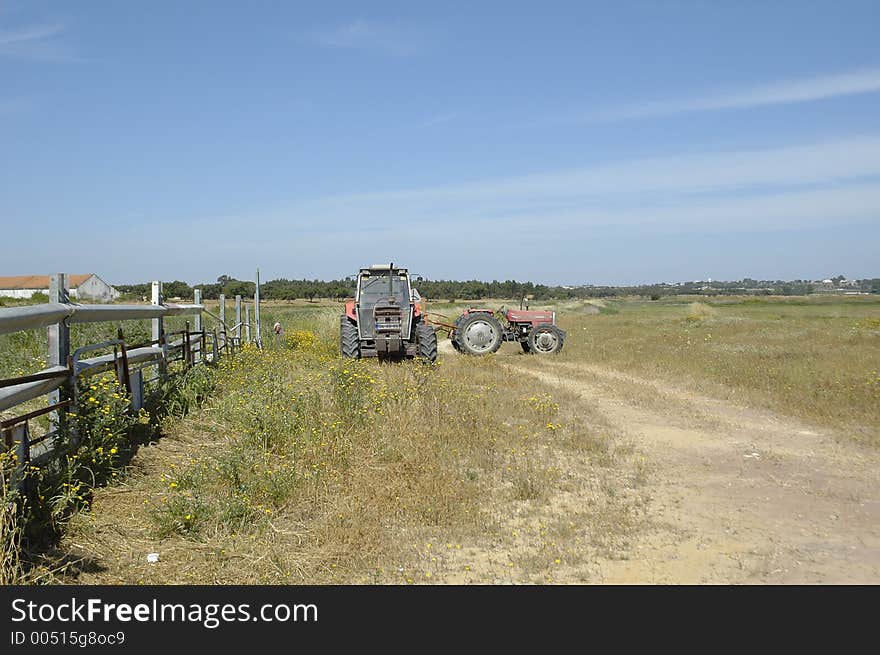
(545,340)
(349,342)
(427,341)
(479,333)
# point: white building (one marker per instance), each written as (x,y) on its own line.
(83,287)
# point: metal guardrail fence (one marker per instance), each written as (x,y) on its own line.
(59,379)
(32,317)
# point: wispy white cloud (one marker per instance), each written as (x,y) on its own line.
(38,42)
(780,92)
(28,34)
(439,119)
(778,210)
(825,183)
(668,180)
(386,37)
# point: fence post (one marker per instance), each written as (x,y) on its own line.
(247,323)
(137,390)
(257,311)
(123,373)
(59,348)
(223,319)
(238,321)
(187,350)
(197,325)
(158,331)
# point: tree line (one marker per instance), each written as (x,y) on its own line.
(284,289)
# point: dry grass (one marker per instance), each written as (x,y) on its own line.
(304,468)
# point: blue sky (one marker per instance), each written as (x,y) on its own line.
(559,142)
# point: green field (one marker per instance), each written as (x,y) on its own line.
(816,357)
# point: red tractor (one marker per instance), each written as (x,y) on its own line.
(385,318)
(479,332)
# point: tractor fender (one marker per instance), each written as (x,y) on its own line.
(349,310)
(562,332)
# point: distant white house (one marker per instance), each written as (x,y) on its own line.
(83,287)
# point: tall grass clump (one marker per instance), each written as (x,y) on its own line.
(698,311)
(11,569)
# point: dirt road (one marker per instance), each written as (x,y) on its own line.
(736,495)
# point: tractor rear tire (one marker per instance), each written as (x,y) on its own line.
(545,340)
(427,342)
(349,342)
(479,334)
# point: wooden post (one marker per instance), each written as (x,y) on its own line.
(257,311)
(158,331)
(238,321)
(59,348)
(21,435)
(247,323)
(197,325)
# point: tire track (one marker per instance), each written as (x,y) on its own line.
(738,494)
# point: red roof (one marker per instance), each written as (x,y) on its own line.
(37,281)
